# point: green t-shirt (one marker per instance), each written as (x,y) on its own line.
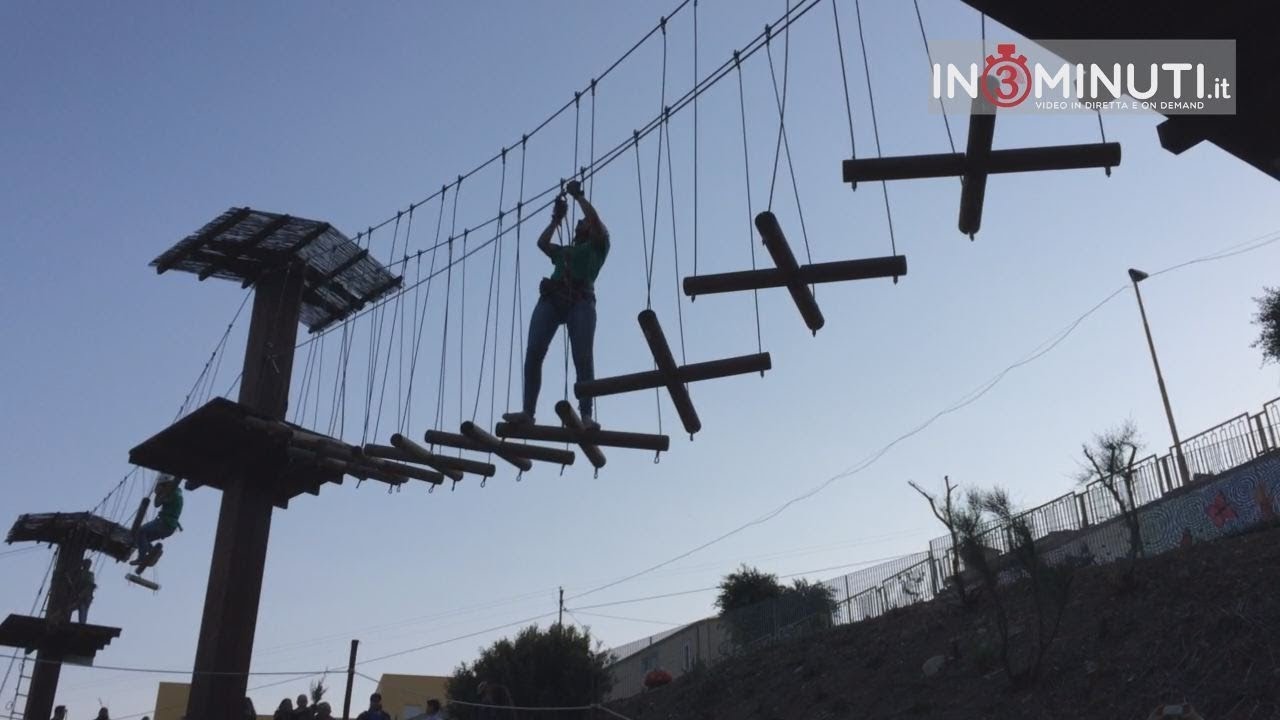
(582,261)
(171,509)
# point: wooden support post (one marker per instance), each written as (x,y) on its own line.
(666,362)
(982,131)
(776,243)
(351,676)
(43,686)
(573,423)
(234,589)
(606,438)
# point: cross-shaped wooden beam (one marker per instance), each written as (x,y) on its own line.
(672,376)
(519,455)
(790,274)
(979,160)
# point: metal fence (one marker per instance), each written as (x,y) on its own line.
(919,577)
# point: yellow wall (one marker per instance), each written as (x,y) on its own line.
(171,702)
(404,696)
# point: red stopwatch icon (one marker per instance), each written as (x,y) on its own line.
(1010,75)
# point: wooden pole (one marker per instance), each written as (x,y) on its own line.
(44,678)
(351,676)
(982,131)
(225,645)
(573,423)
(776,243)
(666,362)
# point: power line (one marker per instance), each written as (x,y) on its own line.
(965,401)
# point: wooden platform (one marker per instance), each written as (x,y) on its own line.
(92,531)
(69,639)
(243,244)
(218,444)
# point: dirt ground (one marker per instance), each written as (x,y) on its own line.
(1201,626)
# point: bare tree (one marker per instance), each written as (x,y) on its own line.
(1049,587)
(1110,456)
(948,514)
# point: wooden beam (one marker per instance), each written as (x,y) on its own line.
(776,243)
(305,240)
(203,239)
(439,462)
(254,240)
(977,153)
(693,372)
(667,367)
(606,438)
(838,271)
(574,424)
(539,453)
(419,454)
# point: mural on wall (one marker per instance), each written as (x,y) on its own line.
(1229,503)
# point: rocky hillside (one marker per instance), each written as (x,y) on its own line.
(1201,625)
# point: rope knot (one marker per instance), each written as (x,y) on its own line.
(662,24)
(737,59)
(768,34)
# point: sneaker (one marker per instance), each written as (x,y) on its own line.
(518,418)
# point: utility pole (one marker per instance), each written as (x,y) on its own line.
(351,676)
(1138,276)
(561,620)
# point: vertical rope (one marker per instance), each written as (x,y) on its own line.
(746,163)
(929,56)
(844,78)
(675,245)
(695,137)
(875,126)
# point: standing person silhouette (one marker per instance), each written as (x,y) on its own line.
(566,298)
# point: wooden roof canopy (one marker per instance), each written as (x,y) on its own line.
(80,528)
(243,244)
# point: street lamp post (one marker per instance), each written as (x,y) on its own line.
(1138,276)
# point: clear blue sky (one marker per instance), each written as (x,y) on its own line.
(124,128)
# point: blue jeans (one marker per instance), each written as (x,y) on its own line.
(579,318)
(149,533)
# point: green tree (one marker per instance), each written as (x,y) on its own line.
(558,667)
(1268,319)
(746,603)
(754,605)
